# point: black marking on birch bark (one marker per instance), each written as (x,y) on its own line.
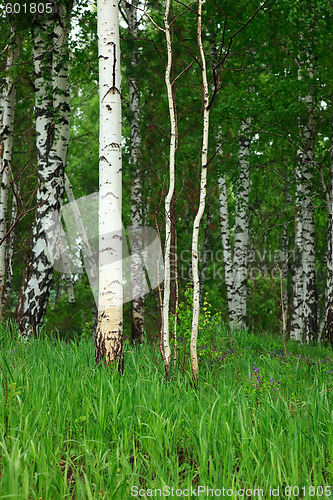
(114,146)
(114,66)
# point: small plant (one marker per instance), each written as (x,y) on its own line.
(209,349)
(184,326)
(258,384)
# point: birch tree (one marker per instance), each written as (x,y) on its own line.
(52,131)
(109,334)
(226,244)
(169,197)
(137,271)
(10,251)
(201,209)
(241,228)
(297,314)
(8,103)
(304,320)
(327,334)
(235,259)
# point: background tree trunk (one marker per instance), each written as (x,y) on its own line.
(137,268)
(8,103)
(52,129)
(327,335)
(226,245)
(241,229)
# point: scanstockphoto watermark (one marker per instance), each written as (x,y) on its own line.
(170,491)
(258,264)
(276,257)
(260,493)
(216,271)
(73,239)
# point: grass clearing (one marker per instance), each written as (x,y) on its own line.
(259,419)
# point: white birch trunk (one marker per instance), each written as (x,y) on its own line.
(304,321)
(310,327)
(109,335)
(284,264)
(61,107)
(326,327)
(168,198)
(327,332)
(297,313)
(198,217)
(308,264)
(36,289)
(6,148)
(241,230)
(226,245)
(137,268)
(52,130)
(9,254)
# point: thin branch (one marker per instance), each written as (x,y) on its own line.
(180,74)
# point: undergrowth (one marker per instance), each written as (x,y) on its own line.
(70,429)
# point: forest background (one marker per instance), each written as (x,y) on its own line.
(270,156)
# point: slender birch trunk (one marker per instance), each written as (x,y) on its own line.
(201,209)
(284,264)
(61,106)
(137,268)
(327,334)
(109,335)
(310,313)
(326,331)
(169,197)
(6,149)
(52,130)
(9,254)
(226,245)
(241,229)
(304,321)
(310,328)
(297,313)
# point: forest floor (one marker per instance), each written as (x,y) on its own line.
(259,425)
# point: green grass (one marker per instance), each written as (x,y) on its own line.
(69,429)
